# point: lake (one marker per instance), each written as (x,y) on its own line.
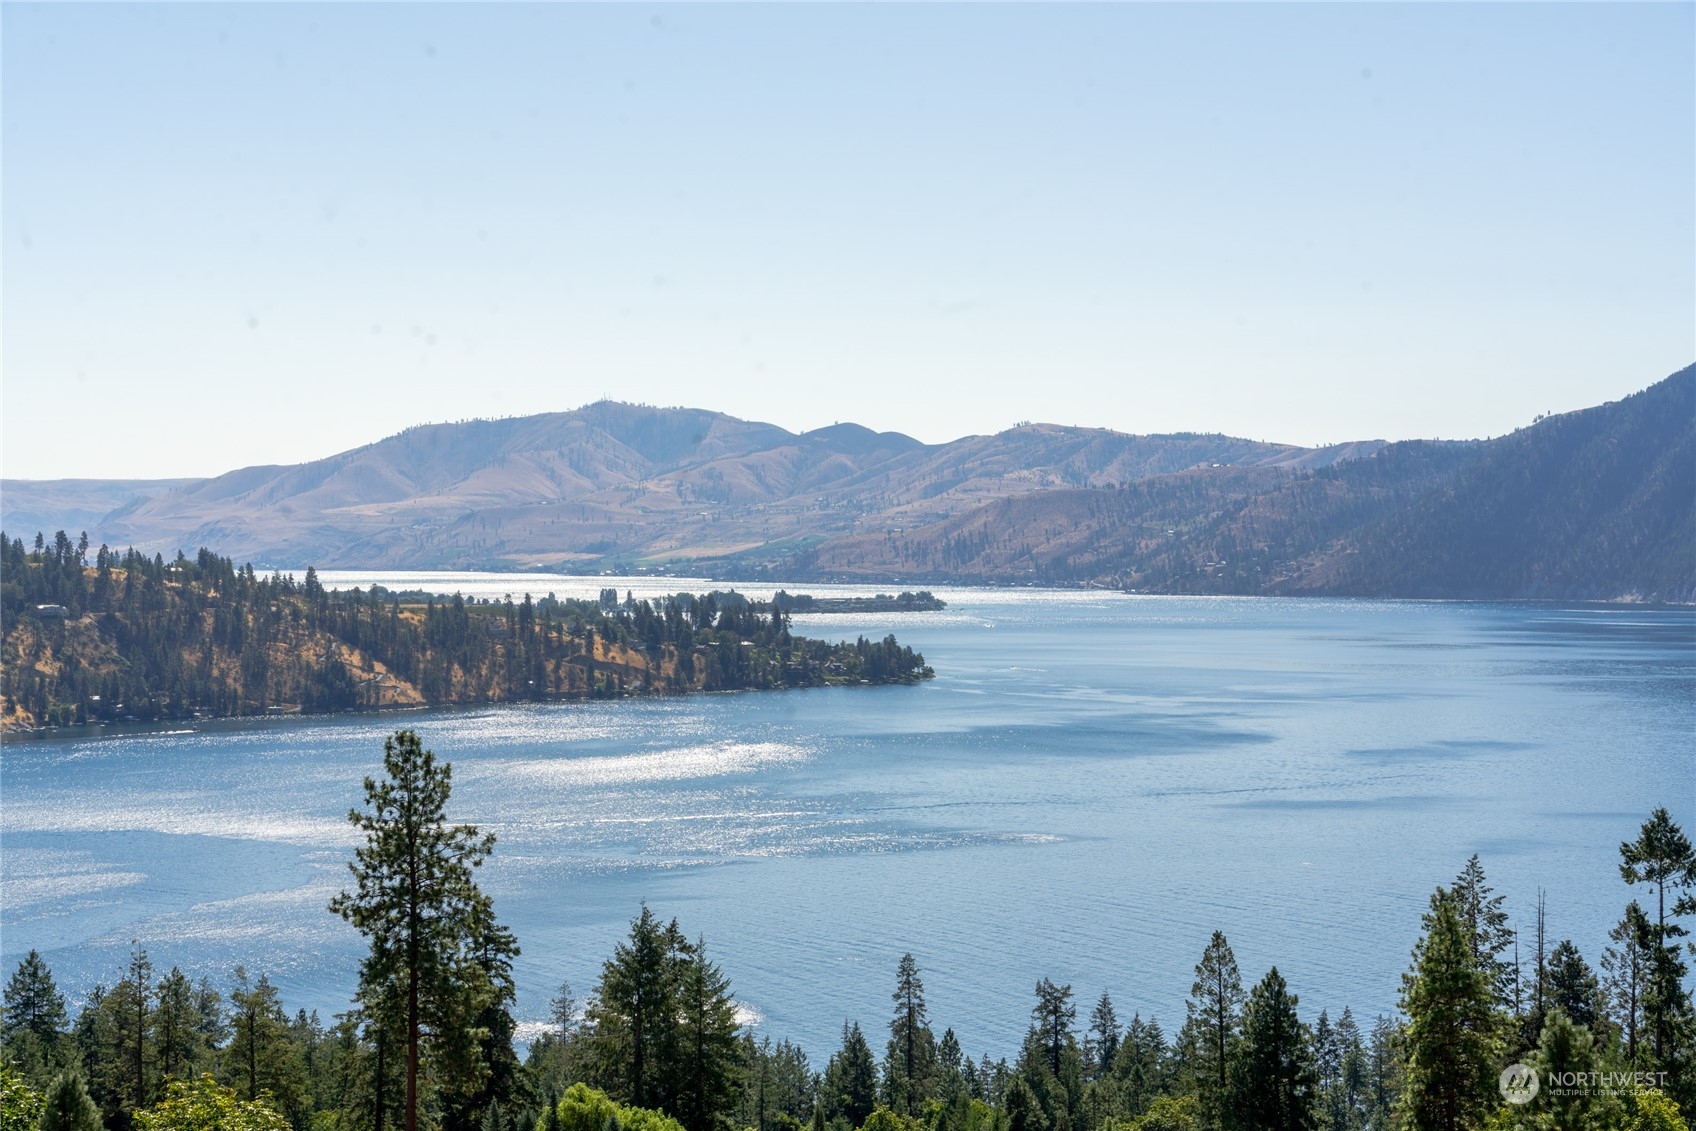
(1093,783)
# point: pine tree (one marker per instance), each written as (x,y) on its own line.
(1346,1105)
(1662,856)
(1051,1019)
(1487,928)
(710,1065)
(1142,1065)
(1531,1021)
(1566,1049)
(1383,1072)
(32,1002)
(176,1027)
(633,1015)
(1625,968)
(562,1010)
(415,900)
(1020,1106)
(67,1106)
(950,1080)
(1273,1080)
(1104,1034)
(1049,1061)
(261,1058)
(1212,1026)
(851,1078)
(130,1007)
(1328,1065)
(493,948)
(1573,988)
(1451,1029)
(912,1048)
(33,1021)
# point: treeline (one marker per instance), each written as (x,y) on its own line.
(126,636)
(1494,1031)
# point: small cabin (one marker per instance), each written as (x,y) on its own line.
(52,612)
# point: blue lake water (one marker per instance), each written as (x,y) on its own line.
(1092,784)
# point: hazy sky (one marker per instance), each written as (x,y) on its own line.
(251,233)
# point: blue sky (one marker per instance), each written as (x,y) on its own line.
(265,233)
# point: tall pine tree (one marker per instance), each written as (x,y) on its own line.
(912,1047)
(1452,1027)
(32,1024)
(1212,1027)
(1662,857)
(1273,1081)
(415,899)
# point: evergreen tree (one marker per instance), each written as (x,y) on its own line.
(1142,1067)
(950,1080)
(1487,929)
(1625,968)
(261,1059)
(1531,1020)
(1051,1019)
(1273,1081)
(1451,1029)
(176,1027)
(562,1010)
(1020,1106)
(416,901)
(1562,1105)
(1104,1034)
(67,1106)
(912,1047)
(709,1062)
(32,1023)
(1049,1062)
(1212,1026)
(1345,1106)
(493,947)
(1383,1073)
(633,1015)
(130,1007)
(786,1091)
(1663,857)
(1328,1066)
(32,1002)
(851,1078)
(95,1037)
(1573,988)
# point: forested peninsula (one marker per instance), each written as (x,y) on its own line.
(124,636)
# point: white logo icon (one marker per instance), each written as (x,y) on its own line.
(1518,1083)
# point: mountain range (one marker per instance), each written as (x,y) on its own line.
(1595,504)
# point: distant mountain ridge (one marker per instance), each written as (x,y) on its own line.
(1598,504)
(623,482)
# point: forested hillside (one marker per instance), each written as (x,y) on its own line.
(1598,503)
(125,636)
(1205,530)
(1591,505)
